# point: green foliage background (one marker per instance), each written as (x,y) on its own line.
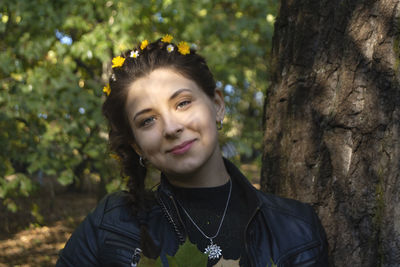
(55,58)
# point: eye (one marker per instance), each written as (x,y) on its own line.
(147,121)
(183,104)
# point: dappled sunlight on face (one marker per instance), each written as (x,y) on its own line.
(173,121)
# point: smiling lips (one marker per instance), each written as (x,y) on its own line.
(182,148)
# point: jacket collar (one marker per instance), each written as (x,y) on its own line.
(251,195)
(167,202)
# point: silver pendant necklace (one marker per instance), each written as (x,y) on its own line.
(213,251)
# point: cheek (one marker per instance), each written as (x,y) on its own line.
(203,121)
(148,141)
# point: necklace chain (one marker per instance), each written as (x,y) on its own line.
(222,220)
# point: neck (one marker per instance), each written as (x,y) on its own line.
(211,174)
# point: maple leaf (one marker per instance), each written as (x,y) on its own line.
(187,255)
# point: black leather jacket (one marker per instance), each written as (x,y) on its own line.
(283,231)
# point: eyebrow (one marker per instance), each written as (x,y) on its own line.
(141,112)
(174,95)
(178,92)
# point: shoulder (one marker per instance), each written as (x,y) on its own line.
(285,207)
(294,228)
(104,235)
(110,204)
(116,200)
(290,216)
(115,212)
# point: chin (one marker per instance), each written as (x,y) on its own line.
(185,167)
(184,170)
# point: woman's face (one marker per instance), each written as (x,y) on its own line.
(174,122)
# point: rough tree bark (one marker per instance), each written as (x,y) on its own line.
(332,117)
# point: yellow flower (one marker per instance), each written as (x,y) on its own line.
(183,48)
(167,38)
(144,44)
(107,89)
(118,62)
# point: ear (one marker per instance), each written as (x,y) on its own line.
(219,105)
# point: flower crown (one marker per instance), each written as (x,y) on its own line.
(118,62)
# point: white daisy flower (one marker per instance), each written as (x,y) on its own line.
(170,48)
(134,54)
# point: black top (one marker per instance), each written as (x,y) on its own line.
(206,207)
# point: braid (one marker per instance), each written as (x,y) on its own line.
(142,199)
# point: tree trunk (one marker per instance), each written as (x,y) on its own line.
(332,117)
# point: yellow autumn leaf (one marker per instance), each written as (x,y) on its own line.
(227,263)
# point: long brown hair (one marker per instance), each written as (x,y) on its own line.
(155,55)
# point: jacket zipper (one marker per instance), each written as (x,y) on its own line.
(136,257)
(177,212)
(136,253)
(245,235)
(171,221)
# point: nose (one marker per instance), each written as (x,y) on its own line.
(172,127)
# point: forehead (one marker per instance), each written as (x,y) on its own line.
(160,83)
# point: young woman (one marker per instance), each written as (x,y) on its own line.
(163,109)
